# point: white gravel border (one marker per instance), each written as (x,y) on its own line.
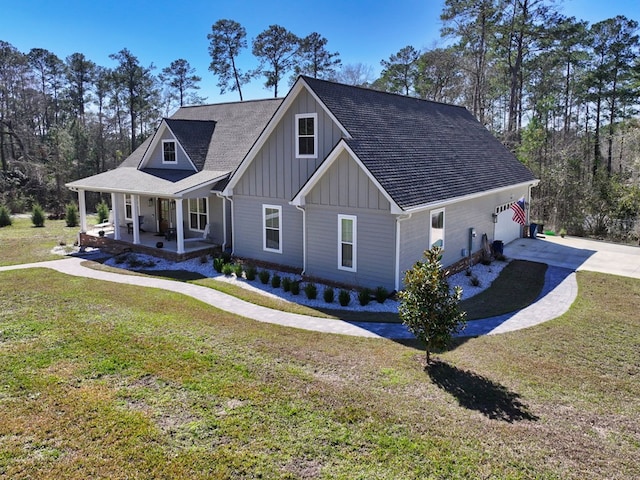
(485,275)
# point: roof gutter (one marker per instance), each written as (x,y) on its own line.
(472,196)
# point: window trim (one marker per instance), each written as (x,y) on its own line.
(298,117)
(198,212)
(175,152)
(354,243)
(264,228)
(128,202)
(431,229)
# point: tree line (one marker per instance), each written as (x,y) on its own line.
(560,93)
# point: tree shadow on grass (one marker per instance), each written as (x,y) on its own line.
(476,392)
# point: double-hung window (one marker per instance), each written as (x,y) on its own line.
(436,233)
(169,151)
(347,234)
(272,228)
(198,214)
(128,210)
(307,135)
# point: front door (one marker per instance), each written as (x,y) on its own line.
(164,215)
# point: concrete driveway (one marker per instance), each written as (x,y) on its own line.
(577,253)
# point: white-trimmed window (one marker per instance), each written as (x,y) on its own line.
(169,151)
(307,135)
(198,214)
(128,208)
(347,246)
(272,228)
(436,231)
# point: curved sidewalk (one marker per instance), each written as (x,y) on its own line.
(559,292)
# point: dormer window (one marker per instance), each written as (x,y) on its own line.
(169,151)
(307,135)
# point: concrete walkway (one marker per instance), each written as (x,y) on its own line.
(564,257)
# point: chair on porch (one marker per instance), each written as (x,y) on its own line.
(105,225)
(203,238)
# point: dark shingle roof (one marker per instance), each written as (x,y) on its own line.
(216,137)
(420,151)
(194,136)
(237,127)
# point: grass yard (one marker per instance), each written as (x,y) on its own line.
(100,380)
(23,243)
(518,285)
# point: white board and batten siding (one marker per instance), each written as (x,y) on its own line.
(345,189)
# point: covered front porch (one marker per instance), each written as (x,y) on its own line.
(149,243)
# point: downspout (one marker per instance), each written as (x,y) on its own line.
(224,220)
(233,226)
(399,218)
(304,238)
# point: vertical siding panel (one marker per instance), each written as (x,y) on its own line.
(290,168)
(271,177)
(363,189)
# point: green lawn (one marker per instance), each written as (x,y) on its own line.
(21,242)
(100,380)
(518,285)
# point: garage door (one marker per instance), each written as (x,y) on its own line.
(506,229)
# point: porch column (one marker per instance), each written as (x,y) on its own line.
(115,209)
(135,212)
(82,206)
(179,226)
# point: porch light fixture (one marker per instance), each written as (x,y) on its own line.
(151,202)
(494,217)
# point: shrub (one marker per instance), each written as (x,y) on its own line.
(276,280)
(37,215)
(203,259)
(364,296)
(218,264)
(344,297)
(475,281)
(427,307)
(71,215)
(226,256)
(328,295)
(381,294)
(237,269)
(227,269)
(311,291)
(295,287)
(103,212)
(5,216)
(250,273)
(264,276)
(286,284)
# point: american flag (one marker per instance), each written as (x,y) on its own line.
(518,211)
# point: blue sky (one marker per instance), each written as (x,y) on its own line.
(161,31)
